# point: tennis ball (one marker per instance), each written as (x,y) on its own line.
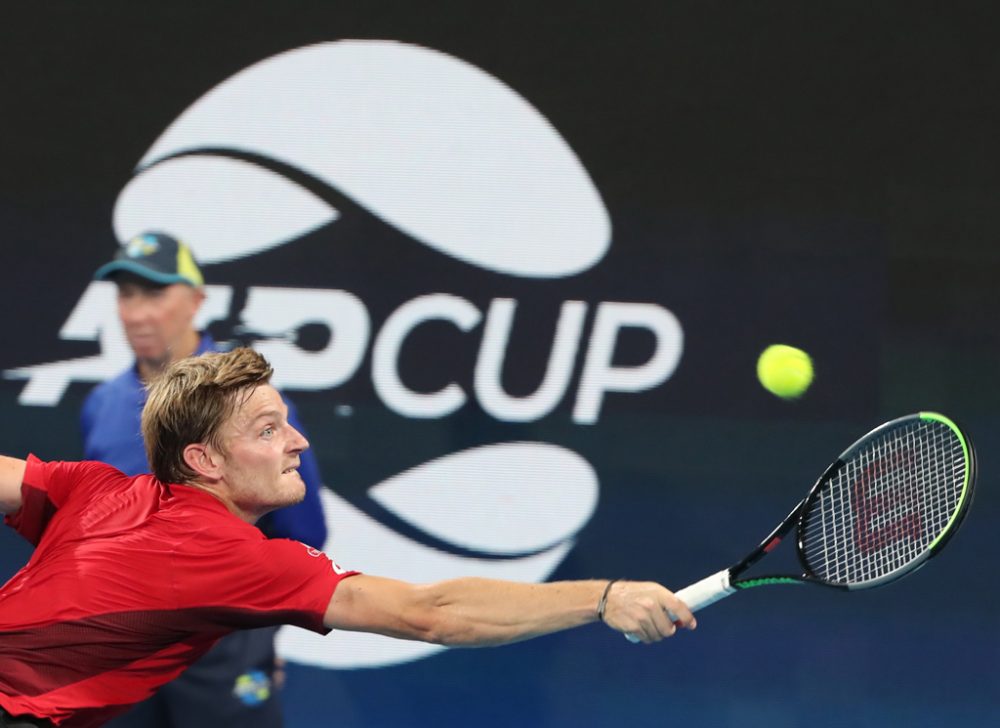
(785,371)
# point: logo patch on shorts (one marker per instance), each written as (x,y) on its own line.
(252,688)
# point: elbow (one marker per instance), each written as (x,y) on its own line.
(439,623)
(450,630)
(436,615)
(434,626)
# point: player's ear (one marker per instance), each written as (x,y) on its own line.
(204,460)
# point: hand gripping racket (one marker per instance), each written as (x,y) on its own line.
(889,503)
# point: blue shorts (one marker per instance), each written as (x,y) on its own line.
(233,684)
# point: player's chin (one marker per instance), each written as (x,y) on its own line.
(294,489)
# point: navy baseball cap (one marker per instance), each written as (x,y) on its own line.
(157,257)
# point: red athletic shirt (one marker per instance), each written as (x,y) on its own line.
(131,581)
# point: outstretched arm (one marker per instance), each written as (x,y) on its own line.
(474,612)
(11,475)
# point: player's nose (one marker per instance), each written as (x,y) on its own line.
(298,442)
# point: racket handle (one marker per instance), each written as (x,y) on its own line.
(707,591)
(698,596)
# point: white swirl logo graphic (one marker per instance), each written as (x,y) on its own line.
(435,147)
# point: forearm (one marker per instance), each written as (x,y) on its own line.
(479,612)
(475,612)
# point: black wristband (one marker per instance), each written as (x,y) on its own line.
(602,605)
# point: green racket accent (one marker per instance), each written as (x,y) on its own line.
(766,581)
(966,490)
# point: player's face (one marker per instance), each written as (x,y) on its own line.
(158,320)
(262,454)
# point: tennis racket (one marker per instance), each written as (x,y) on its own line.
(889,503)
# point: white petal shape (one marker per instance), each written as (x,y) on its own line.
(359,542)
(431,144)
(223,208)
(504,498)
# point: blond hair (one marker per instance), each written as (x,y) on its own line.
(190,401)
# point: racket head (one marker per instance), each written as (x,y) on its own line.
(889,503)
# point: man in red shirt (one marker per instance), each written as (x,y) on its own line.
(134,578)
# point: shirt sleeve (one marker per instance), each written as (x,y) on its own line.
(48,486)
(260,582)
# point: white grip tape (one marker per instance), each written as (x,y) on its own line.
(699,595)
(707,591)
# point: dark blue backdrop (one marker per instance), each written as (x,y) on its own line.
(823,177)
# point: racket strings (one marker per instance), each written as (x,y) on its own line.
(884,508)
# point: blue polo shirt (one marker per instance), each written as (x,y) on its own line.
(110,422)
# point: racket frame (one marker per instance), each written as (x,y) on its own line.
(728,581)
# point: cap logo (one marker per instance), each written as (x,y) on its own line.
(142,246)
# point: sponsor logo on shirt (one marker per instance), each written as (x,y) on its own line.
(316,553)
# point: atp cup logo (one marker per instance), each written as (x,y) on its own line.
(457,161)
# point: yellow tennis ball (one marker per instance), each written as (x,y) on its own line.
(785,371)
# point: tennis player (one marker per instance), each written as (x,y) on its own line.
(160,291)
(134,578)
